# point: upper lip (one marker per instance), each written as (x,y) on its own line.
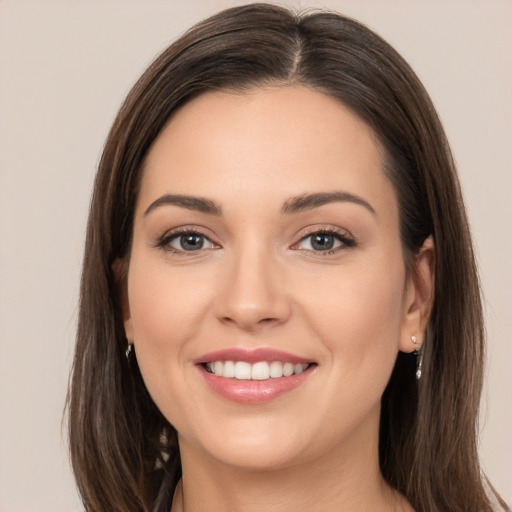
(251,356)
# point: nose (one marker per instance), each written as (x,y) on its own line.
(253,295)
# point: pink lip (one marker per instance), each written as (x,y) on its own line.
(252,391)
(251,356)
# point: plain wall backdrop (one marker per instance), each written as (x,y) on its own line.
(65,67)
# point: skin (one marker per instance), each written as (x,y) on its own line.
(258,282)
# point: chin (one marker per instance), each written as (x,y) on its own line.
(258,458)
(258,448)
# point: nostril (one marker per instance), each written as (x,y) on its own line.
(268,320)
(252,304)
(248,323)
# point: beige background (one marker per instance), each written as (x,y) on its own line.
(66,65)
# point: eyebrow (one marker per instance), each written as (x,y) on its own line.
(310,201)
(198,204)
(294,205)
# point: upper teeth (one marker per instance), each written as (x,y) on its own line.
(258,371)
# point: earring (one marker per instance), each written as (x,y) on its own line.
(419,356)
(128,350)
(419,363)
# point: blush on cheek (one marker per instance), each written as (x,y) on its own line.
(365,315)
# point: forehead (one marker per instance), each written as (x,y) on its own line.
(267,143)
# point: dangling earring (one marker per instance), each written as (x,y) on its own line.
(419,363)
(128,350)
(419,357)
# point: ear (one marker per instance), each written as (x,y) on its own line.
(120,269)
(418,298)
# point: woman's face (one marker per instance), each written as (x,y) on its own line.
(266,241)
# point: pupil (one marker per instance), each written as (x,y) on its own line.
(322,242)
(191,242)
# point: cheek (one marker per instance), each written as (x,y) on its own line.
(166,310)
(165,304)
(153,306)
(358,316)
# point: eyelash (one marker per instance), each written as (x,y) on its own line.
(343,237)
(347,242)
(165,241)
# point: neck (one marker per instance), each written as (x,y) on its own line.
(346,478)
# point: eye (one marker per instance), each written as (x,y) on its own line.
(186,241)
(324,241)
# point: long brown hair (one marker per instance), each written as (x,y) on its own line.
(124,452)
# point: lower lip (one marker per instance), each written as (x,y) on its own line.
(254,391)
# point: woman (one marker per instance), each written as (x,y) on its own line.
(280,306)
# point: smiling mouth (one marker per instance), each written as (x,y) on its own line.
(261,370)
(254,376)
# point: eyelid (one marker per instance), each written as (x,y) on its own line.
(342,235)
(163,241)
